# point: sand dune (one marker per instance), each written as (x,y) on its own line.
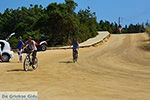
(117,70)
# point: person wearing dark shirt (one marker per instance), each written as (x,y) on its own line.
(19,48)
(75,44)
(75,47)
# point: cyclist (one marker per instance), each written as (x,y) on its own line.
(31,46)
(20,45)
(75,45)
(75,49)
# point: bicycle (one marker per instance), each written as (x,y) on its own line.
(28,62)
(75,55)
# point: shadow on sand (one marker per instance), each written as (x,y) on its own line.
(66,62)
(18,70)
(145,40)
(145,45)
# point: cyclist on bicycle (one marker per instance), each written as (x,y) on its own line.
(75,45)
(31,45)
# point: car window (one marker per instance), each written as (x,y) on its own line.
(2,45)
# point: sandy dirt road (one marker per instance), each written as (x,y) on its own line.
(117,70)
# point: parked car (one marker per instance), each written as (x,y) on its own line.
(6,51)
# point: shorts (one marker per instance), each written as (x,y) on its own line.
(19,52)
(34,54)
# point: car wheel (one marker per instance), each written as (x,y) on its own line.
(5,58)
(43,47)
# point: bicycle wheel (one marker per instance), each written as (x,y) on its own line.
(35,64)
(75,57)
(26,63)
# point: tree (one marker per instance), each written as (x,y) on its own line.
(88,19)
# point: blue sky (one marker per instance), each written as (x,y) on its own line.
(130,11)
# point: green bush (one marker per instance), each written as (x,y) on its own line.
(59,22)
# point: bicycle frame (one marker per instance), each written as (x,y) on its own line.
(29,54)
(75,55)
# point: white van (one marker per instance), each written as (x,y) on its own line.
(5,51)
